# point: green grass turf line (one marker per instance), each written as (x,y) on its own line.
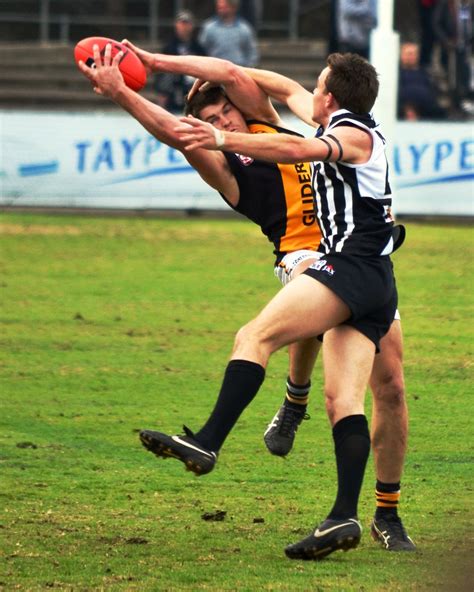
(111,325)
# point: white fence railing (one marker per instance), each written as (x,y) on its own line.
(62,19)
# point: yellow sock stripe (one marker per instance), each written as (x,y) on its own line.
(297,400)
(386,499)
(387,496)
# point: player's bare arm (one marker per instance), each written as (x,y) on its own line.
(286,91)
(240,87)
(107,80)
(346,144)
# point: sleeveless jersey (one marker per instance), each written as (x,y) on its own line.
(277,197)
(354,200)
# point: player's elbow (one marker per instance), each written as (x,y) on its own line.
(231,73)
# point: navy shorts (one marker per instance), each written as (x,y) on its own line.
(366,285)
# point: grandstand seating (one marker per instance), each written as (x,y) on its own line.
(32,76)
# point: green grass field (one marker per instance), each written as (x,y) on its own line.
(111,325)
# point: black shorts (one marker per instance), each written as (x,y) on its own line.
(366,285)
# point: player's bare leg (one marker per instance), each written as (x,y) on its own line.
(302,309)
(302,357)
(305,307)
(281,431)
(389,439)
(348,358)
(389,429)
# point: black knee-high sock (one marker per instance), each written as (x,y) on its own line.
(242,379)
(352,446)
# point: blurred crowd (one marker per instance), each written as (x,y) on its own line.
(227,35)
(436,70)
(436,67)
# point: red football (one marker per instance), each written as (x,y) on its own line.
(133,71)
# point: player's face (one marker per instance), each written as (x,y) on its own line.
(224,116)
(320,96)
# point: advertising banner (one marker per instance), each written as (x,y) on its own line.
(107,160)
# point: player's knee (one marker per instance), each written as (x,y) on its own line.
(390,391)
(240,337)
(245,336)
(331,402)
(252,340)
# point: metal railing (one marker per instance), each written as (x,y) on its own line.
(46,19)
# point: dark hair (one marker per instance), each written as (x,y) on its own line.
(234,3)
(203,99)
(352,81)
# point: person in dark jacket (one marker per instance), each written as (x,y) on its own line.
(417,94)
(173,88)
(452,26)
(427,36)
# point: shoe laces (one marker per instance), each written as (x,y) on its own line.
(395,525)
(290,420)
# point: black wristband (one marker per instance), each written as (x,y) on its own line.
(328,155)
(341,152)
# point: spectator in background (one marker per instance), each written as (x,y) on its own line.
(427,40)
(228,36)
(251,11)
(333,44)
(417,95)
(452,25)
(355,20)
(173,88)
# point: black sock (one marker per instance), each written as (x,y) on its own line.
(352,446)
(242,379)
(297,394)
(387,496)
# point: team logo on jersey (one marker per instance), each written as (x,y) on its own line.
(323,265)
(245,160)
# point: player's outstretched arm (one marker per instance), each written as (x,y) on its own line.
(286,91)
(107,80)
(343,144)
(198,134)
(240,87)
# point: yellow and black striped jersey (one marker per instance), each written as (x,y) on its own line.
(277,197)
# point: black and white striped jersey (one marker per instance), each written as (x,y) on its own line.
(353,200)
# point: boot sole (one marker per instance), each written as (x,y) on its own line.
(163,451)
(318,553)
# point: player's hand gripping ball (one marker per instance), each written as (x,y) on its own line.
(132,69)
